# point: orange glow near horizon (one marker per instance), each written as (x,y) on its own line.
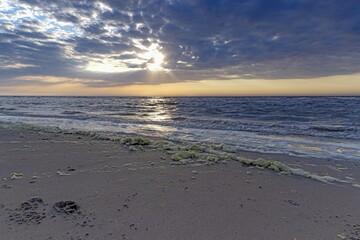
(335,85)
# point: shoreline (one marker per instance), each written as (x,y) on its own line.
(304,140)
(201,153)
(126,194)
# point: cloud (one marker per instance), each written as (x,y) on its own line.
(17,66)
(55,80)
(200,40)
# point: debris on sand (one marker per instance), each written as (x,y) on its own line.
(60,173)
(66,207)
(132,149)
(341,236)
(16,175)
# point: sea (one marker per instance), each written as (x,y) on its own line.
(320,127)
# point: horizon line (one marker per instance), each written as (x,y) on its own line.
(205,96)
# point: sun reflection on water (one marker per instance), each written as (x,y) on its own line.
(160,109)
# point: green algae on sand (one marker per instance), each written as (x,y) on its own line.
(284,169)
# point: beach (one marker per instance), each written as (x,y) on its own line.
(179,120)
(69,186)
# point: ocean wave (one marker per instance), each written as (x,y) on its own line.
(68,112)
(333,128)
(243,121)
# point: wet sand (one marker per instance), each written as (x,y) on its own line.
(104,191)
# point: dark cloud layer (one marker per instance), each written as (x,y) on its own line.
(201,39)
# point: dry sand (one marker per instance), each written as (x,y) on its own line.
(115,193)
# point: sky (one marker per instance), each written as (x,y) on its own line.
(180,47)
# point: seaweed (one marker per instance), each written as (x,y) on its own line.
(16,175)
(286,170)
(135,141)
(186,153)
(182,155)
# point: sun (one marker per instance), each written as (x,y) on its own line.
(154,57)
(156,61)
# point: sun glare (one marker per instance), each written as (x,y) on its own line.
(156,62)
(154,57)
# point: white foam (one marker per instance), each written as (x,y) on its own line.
(238,140)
